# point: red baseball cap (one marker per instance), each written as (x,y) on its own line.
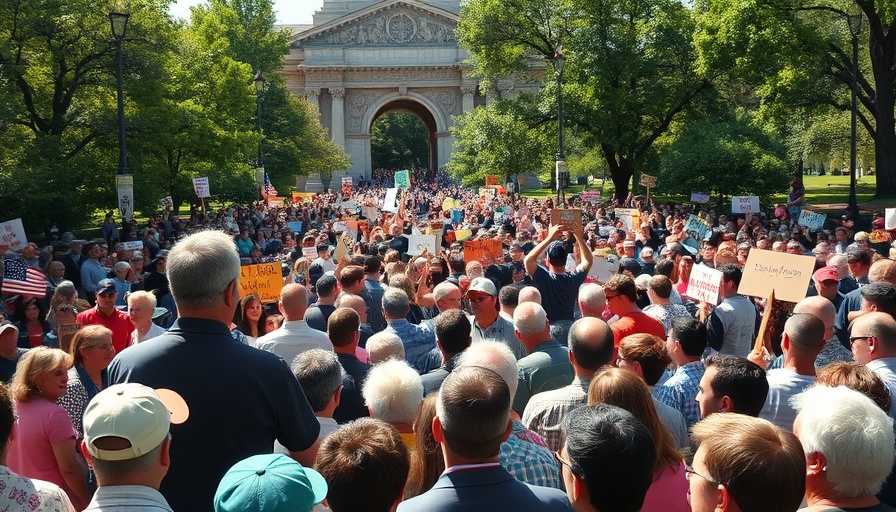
(828,273)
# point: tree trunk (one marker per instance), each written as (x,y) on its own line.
(883,55)
(620,171)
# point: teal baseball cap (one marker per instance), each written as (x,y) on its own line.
(270,483)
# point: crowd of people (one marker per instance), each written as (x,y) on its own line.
(572,368)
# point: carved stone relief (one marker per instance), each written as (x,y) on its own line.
(449,101)
(401,26)
(358,102)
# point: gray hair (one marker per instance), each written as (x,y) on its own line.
(319,373)
(852,432)
(200,267)
(395,302)
(593,296)
(66,288)
(495,356)
(149,297)
(122,265)
(383,346)
(393,392)
(529,318)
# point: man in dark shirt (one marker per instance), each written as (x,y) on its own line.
(9,351)
(453,331)
(240,398)
(317,315)
(342,328)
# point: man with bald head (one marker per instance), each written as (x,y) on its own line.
(529,294)
(294,336)
(447,296)
(824,310)
(873,339)
(590,348)
(804,335)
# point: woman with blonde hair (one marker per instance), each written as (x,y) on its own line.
(427,463)
(625,389)
(45,444)
(299,272)
(91,352)
(65,293)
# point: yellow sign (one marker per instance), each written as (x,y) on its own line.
(264,280)
(786,274)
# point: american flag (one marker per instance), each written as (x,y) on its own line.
(268,190)
(20,279)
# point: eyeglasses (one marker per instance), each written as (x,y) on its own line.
(853,339)
(66,309)
(563,462)
(688,471)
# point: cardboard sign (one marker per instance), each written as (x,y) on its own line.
(890,218)
(417,244)
(648,181)
(12,234)
(275,202)
(309,252)
(341,249)
(301,197)
(745,204)
(264,280)
(66,333)
(486,192)
(812,220)
(462,234)
(591,196)
(704,284)
(786,274)
(699,197)
(482,250)
(604,267)
(136,245)
(629,216)
(492,179)
(566,218)
(347,181)
(696,227)
(200,185)
(403,179)
(390,203)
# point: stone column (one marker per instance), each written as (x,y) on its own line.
(338,115)
(468,91)
(312,94)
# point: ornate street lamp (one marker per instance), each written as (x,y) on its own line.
(118,19)
(259,93)
(855,28)
(562,175)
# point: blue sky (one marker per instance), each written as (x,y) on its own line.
(289,12)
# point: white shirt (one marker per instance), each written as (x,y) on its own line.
(783,383)
(293,338)
(127,498)
(327,264)
(154,330)
(31,495)
(885,368)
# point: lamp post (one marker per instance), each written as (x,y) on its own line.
(562,175)
(855,28)
(259,92)
(118,19)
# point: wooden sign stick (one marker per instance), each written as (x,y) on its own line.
(760,336)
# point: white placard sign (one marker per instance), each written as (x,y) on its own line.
(627,216)
(704,284)
(136,245)
(200,185)
(418,243)
(604,267)
(699,197)
(309,252)
(745,204)
(890,218)
(812,220)
(124,184)
(12,234)
(389,204)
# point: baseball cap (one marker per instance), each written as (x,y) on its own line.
(132,412)
(630,264)
(6,324)
(270,483)
(106,287)
(557,251)
(484,285)
(827,273)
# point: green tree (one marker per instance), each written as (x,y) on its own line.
(629,70)
(399,140)
(725,157)
(497,140)
(798,55)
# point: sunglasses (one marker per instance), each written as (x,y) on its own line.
(66,309)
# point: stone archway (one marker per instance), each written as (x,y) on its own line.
(416,105)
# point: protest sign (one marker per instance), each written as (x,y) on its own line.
(200,185)
(699,197)
(648,181)
(301,197)
(295,226)
(604,267)
(696,227)
(417,244)
(341,249)
(275,202)
(370,212)
(787,275)
(566,218)
(309,252)
(462,234)
(390,203)
(591,196)
(745,204)
(890,218)
(812,220)
(491,179)
(136,245)
(449,204)
(124,184)
(457,216)
(403,179)
(482,250)
(500,213)
(166,203)
(12,234)
(704,284)
(66,334)
(630,217)
(486,193)
(263,279)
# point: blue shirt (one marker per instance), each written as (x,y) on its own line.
(526,456)
(419,343)
(680,391)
